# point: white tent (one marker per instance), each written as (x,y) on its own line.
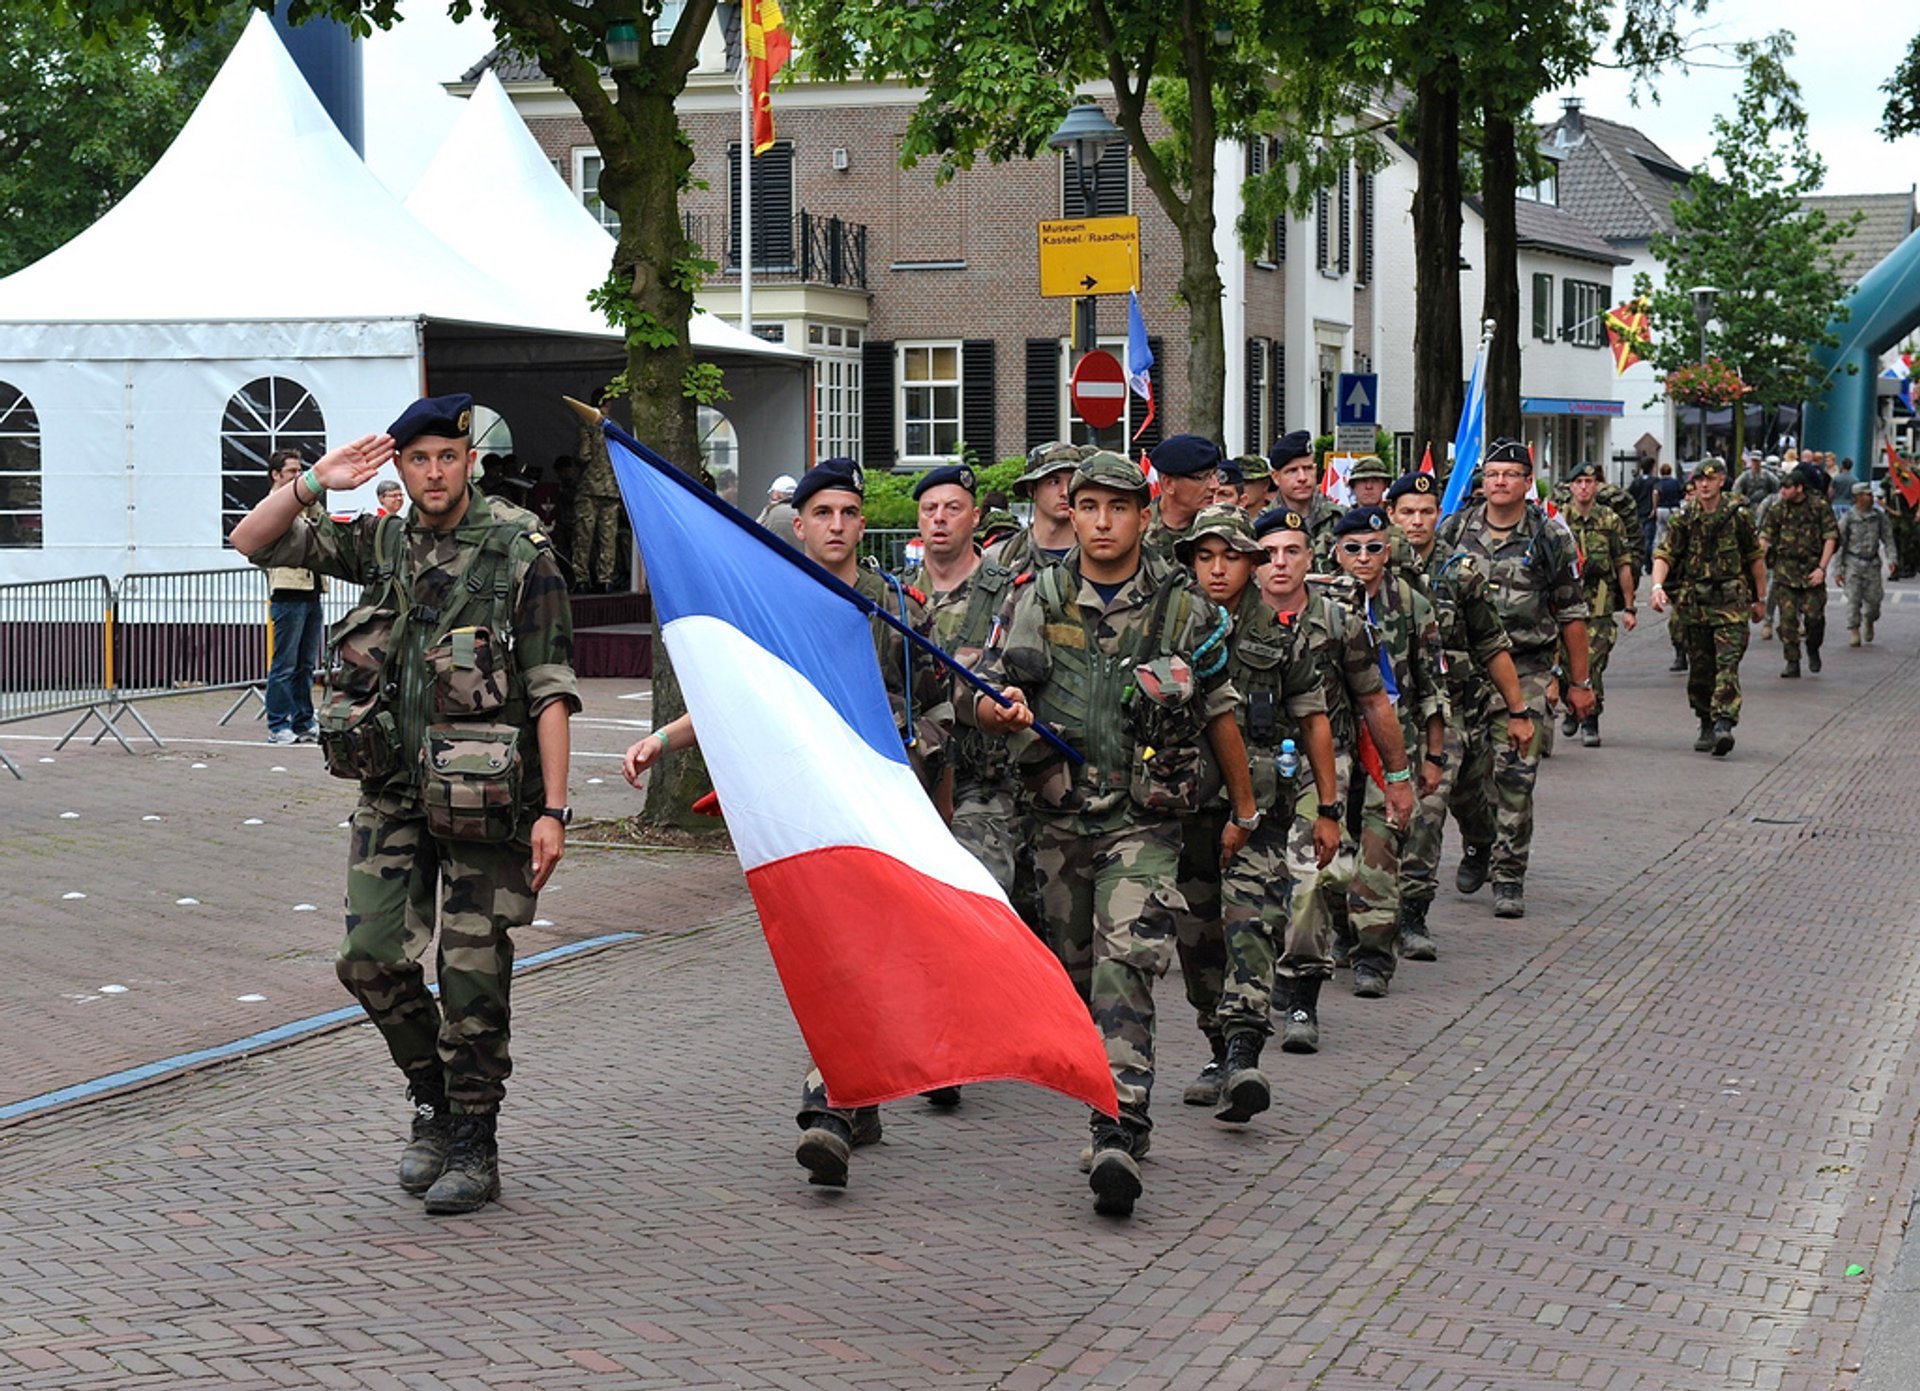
(259,288)
(492,195)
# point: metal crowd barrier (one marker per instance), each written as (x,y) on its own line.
(55,652)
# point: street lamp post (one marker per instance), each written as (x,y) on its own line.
(1088,134)
(1703,297)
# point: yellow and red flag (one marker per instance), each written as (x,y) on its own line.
(1627,333)
(1902,477)
(769,45)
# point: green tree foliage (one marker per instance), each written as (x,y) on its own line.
(1741,230)
(1902,116)
(80,125)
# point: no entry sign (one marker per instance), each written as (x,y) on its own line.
(1099,389)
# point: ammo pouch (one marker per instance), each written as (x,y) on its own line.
(469,674)
(470,781)
(1256,673)
(1170,773)
(359,738)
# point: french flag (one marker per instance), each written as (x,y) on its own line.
(906,967)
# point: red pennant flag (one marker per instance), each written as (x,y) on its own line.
(1902,477)
(1426,460)
(769,45)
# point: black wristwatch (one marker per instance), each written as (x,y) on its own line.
(1329,810)
(1438,760)
(564,815)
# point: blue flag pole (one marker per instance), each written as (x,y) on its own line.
(814,570)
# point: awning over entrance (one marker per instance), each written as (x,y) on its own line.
(1567,405)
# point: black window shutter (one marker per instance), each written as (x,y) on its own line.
(772,207)
(1344,260)
(1151,436)
(1252,433)
(1322,232)
(978,400)
(1111,195)
(1280,239)
(876,405)
(1277,384)
(1043,391)
(1570,307)
(1366,229)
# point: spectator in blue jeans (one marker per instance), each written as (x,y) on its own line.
(295,612)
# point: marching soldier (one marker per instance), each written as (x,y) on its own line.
(1049,536)
(1799,536)
(1606,561)
(1296,480)
(1187,466)
(1866,537)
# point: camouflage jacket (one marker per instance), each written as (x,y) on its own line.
(917,685)
(1713,553)
(1019,554)
(1863,535)
(596,468)
(1345,650)
(1794,534)
(1161,538)
(1410,636)
(1755,484)
(962,621)
(1278,683)
(1321,516)
(1533,578)
(1604,548)
(1080,660)
(1470,632)
(516,674)
(1402,560)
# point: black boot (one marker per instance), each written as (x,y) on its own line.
(1813,658)
(425,1156)
(1472,873)
(472,1176)
(1570,726)
(1590,733)
(1722,738)
(1704,739)
(1245,1093)
(1114,1175)
(1303,1017)
(1416,943)
(1204,1090)
(943,1098)
(1791,672)
(1679,662)
(824,1149)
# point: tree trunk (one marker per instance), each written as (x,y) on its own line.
(1500,176)
(1437,385)
(1201,288)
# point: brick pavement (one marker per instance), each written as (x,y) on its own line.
(1631,1142)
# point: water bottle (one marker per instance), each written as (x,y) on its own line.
(1287,763)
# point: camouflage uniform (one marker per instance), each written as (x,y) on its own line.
(1108,829)
(596,512)
(1161,539)
(1019,554)
(1906,531)
(444,652)
(1754,485)
(1470,637)
(1794,534)
(1604,548)
(1863,537)
(1713,553)
(1321,515)
(1533,579)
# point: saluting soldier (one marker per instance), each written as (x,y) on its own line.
(448,702)
(1712,547)
(1117,651)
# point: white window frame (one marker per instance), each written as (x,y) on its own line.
(1584,328)
(590,197)
(901,388)
(838,400)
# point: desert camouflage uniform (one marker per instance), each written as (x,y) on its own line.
(1604,547)
(1863,537)
(1470,637)
(1713,553)
(1533,579)
(1235,922)
(596,511)
(1109,828)
(1794,534)
(395,866)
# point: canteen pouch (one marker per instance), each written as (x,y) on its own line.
(359,737)
(470,781)
(469,670)
(1171,772)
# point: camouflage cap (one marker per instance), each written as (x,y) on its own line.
(994,525)
(1253,468)
(1049,458)
(1102,469)
(1369,466)
(1586,469)
(1227,524)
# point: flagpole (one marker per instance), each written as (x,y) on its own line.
(746,184)
(801,560)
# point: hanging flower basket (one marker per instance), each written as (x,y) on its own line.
(1709,383)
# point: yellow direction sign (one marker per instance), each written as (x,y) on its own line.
(1089,256)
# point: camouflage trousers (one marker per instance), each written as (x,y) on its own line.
(1369,872)
(1110,898)
(596,538)
(988,822)
(1308,952)
(394,872)
(1602,634)
(1235,921)
(1802,609)
(1714,650)
(1492,796)
(1866,587)
(863,1121)
(1426,834)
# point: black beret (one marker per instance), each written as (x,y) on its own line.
(1509,452)
(1360,519)
(1184,456)
(1229,471)
(1296,444)
(1421,483)
(958,474)
(844,474)
(1279,519)
(444,417)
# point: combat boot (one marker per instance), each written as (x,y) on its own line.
(1370,982)
(1570,726)
(1416,943)
(425,1156)
(1868,631)
(1204,1090)
(1302,1034)
(1813,659)
(1704,739)
(471,1179)
(943,1098)
(1473,869)
(1114,1175)
(1245,1092)
(1853,637)
(1722,738)
(1766,631)
(1679,662)
(824,1149)
(1142,1141)
(1590,733)
(1509,901)
(1791,672)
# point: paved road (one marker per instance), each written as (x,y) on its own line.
(1633,1141)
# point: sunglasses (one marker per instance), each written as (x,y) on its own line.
(1363,547)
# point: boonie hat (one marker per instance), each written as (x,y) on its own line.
(1047,459)
(1253,468)
(1103,469)
(1227,524)
(1369,466)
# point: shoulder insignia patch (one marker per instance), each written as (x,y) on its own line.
(914,594)
(1026,577)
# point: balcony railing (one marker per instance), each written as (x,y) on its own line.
(810,250)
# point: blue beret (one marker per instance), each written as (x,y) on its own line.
(1360,519)
(844,474)
(1297,444)
(1185,456)
(1421,483)
(1279,519)
(1229,471)
(958,474)
(446,417)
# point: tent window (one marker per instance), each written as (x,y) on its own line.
(20,516)
(265,415)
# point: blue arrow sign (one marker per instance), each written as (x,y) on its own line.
(1359,398)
